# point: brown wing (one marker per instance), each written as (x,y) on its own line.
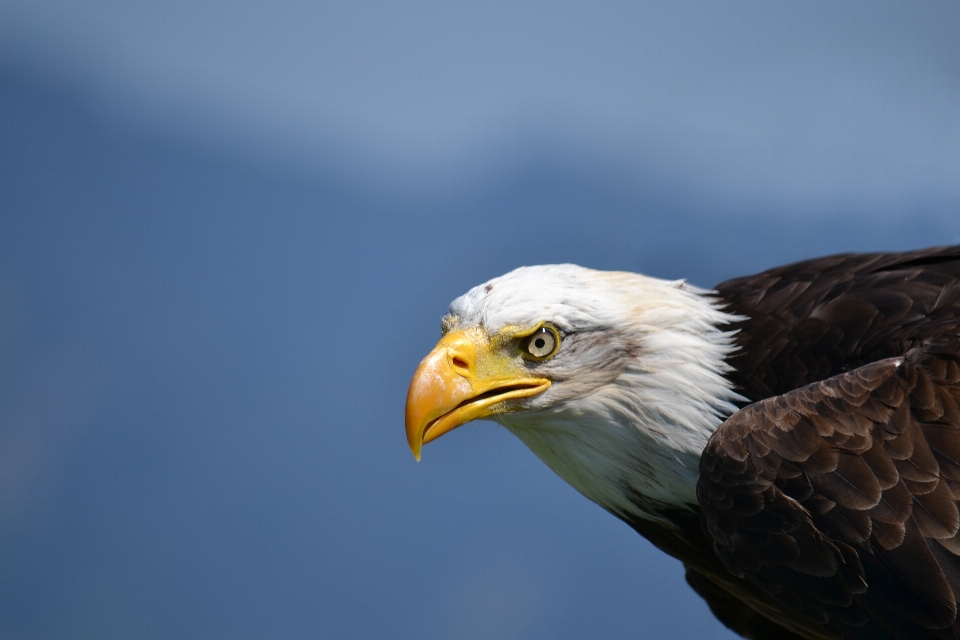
(734,613)
(811,320)
(840,498)
(736,601)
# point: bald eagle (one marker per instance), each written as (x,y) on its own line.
(792,437)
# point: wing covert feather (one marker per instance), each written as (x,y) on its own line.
(840,498)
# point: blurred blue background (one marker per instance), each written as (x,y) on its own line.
(228,232)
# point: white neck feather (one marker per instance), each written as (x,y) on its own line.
(633,446)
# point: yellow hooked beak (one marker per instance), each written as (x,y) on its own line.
(466,377)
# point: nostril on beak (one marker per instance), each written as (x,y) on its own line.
(460,363)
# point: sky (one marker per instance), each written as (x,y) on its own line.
(230,230)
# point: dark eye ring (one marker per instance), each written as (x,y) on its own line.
(541,344)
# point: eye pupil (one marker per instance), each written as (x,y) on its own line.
(540,342)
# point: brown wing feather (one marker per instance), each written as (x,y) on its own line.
(839,498)
(808,321)
(733,613)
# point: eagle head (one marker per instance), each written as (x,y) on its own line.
(613,379)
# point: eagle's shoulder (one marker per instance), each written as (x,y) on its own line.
(810,320)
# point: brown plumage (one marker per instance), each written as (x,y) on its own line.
(832,499)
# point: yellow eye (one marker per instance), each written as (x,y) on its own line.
(541,344)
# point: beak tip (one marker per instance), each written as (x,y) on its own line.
(415,449)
